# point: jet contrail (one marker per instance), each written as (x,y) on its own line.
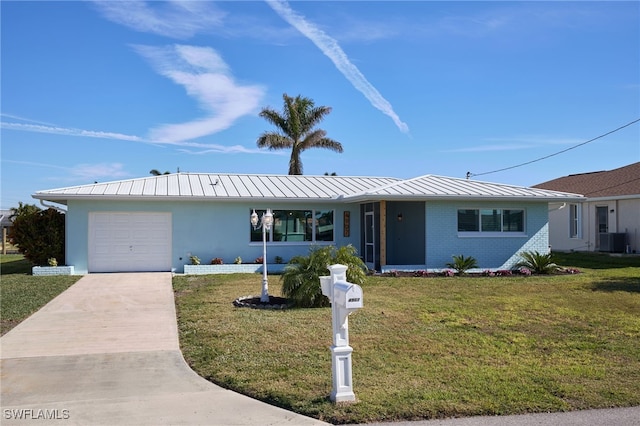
(329,46)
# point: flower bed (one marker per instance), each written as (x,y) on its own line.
(232,268)
(487,273)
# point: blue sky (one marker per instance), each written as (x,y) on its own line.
(101,91)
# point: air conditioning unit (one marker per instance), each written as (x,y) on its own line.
(612,242)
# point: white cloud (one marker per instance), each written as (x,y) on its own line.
(81,172)
(329,46)
(34,164)
(488,148)
(206,77)
(96,172)
(537,140)
(19,118)
(52,129)
(516,143)
(235,149)
(175,19)
(187,147)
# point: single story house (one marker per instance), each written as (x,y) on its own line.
(156,223)
(607,219)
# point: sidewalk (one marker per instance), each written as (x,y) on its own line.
(605,417)
(106,352)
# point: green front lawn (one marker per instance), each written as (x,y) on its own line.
(430,347)
(423,347)
(22,294)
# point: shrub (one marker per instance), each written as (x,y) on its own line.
(216,261)
(462,264)
(238,260)
(259,260)
(537,262)
(195,260)
(301,276)
(38,234)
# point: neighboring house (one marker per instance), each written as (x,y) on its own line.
(5,219)
(156,223)
(5,224)
(607,220)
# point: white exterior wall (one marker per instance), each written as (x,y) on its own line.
(623,217)
(491,251)
(205,229)
(628,219)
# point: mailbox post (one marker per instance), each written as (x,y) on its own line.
(345,298)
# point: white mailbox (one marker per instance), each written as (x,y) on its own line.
(345,298)
(348,296)
(326,285)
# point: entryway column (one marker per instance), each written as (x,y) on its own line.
(383,233)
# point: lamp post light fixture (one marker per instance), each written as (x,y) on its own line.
(265,222)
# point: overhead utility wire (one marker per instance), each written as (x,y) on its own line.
(469,174)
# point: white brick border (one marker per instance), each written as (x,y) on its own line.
(52,270)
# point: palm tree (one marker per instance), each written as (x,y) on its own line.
(296,129)
(155,172)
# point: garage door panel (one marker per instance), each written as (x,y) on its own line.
(101,249)
(120,234)
(129,241)
(122,249)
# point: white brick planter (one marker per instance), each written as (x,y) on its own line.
(52,270)
(243,268)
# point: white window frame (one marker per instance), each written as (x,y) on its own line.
(575,221)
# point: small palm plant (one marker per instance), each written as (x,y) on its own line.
(301,276)
(538,262)
(462,264)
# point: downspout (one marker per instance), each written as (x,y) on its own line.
(51,206)
(559,208)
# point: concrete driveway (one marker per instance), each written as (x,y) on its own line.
(106,352)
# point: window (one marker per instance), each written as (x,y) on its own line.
(513,221)
(490,220)
(297,226)
(574,221)
(324,225)
(468,221)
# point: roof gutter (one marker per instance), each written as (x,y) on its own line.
(64,199)
(475,198)
(51,206)
(612,198)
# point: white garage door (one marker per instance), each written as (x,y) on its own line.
(129,242)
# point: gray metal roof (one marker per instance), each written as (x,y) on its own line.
(209,186)
(430,187)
